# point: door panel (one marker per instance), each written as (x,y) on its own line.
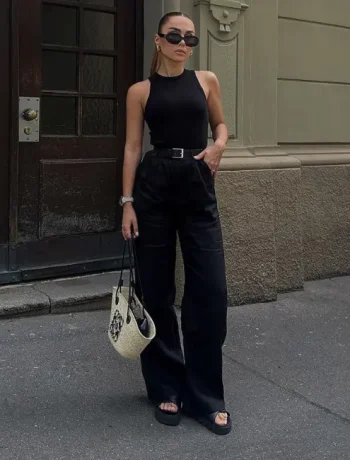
(4,132)
(80,60)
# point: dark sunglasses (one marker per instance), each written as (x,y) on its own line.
(174,38)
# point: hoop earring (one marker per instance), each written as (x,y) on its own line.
(191,53)
(158,48)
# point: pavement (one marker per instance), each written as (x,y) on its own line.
(65,394)
(62,295)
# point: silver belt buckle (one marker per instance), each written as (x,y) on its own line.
(178,153)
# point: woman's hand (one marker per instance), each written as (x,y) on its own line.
(212,156)
(129,224)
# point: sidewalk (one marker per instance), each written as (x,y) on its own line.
(66,395)
(63,295)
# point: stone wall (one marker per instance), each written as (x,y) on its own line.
(284,184)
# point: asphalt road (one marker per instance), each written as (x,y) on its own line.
(66,395)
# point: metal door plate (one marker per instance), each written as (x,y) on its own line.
(29,131)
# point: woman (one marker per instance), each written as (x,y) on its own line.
(172,191)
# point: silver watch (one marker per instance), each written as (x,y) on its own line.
(125,199)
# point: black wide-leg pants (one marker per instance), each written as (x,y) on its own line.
(178,196)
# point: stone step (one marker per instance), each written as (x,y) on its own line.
(62,295)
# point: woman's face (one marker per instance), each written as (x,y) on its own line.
(183,26)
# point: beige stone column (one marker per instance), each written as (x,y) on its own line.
(220,27)
(260,73)
(260,134)
(258,187)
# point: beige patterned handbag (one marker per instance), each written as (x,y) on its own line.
(131,328)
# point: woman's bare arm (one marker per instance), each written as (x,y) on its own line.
(213,153)
(216,113)
(134,136)
(132,153)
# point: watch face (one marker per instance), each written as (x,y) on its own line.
(125,199)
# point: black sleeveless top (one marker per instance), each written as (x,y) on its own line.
(177,112)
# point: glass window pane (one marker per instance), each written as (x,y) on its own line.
(98,74)
(53,77)
(58,115)
(99,2)
(98,30)
(98,116)
(59,25)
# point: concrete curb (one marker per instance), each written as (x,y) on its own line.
(82,293)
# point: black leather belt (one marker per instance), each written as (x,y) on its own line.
(177,154)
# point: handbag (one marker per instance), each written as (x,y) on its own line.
(131,328)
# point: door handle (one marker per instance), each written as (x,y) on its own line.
(30,114)
(29,119)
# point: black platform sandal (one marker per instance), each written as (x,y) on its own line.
(209,422)
(167,417)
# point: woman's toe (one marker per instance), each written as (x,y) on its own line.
(221,419)
(170,407)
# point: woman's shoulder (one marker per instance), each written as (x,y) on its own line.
(207,75)
(139,89)
(139,92)
(208,81)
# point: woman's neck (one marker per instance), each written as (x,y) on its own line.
(170,68)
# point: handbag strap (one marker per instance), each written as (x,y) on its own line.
(136,266)
(121,280)
(131,247)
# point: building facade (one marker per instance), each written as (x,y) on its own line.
(284,184)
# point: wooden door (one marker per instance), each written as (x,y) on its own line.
(78,57)
(4,138)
